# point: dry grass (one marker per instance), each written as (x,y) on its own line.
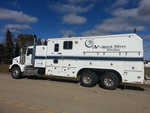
(4,68)
(147,71)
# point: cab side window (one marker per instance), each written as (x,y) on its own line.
(29,51)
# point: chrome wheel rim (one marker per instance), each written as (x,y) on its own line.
(109,81)
(87,79)
(15,73)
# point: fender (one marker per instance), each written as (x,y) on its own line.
(21,66)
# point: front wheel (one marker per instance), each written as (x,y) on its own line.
(16,73)
(88,79)
(109,80)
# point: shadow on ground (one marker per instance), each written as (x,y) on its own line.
(131,87)
(56,79)
(76,81)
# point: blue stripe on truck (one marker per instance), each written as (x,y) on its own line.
(91,58)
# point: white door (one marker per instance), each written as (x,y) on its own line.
(53,63)
(28,57)
(69,61)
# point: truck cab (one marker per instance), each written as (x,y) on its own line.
(26,63)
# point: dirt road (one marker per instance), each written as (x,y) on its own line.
(55,96)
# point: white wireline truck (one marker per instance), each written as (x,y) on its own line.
(110,60)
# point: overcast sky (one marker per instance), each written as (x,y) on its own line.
(58,18)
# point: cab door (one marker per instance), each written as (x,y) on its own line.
(28,57)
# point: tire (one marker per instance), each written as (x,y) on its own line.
(109,80)
(88,79)
(16,73)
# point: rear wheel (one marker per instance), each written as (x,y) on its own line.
(88,79)
(16,73)
(109,80)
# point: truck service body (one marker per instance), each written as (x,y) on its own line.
(109,59)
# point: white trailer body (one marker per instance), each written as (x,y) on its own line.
(92,58)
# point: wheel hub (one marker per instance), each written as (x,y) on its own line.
(109,81)
(15,73)
(87,79)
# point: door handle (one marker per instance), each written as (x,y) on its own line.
(60,53)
